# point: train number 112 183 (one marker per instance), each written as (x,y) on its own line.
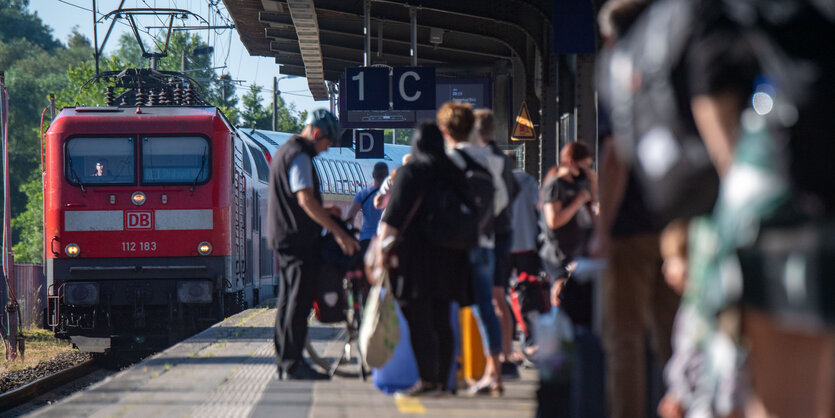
(139,246)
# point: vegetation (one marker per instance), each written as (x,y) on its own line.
(41,345)
(401,136)
(36,64)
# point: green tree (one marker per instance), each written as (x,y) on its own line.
(18,23)
(29,224)
(401,136)
(222,95)
(289,120)
(253,114)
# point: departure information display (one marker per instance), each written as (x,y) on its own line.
(476,91)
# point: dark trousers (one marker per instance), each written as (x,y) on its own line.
(293,304)
(432,340)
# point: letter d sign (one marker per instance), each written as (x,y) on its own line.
(369,144)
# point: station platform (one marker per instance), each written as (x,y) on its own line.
(229,370)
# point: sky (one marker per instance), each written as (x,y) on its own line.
(63,15)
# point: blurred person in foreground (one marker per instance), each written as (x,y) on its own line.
(456,120)
(777,201)
(426,277)
(635,297)
(294,227)
(363,201)
(485,126)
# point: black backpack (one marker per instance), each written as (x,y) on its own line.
(663,146)
(480,182)
(449,215)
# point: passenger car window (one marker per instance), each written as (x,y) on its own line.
(175,160)
(98,161)
(247,164)
(261,163)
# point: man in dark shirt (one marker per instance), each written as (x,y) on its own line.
(294,228)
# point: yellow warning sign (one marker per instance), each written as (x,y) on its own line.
(523,128)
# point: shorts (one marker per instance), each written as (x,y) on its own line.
(503,267)
(526,261)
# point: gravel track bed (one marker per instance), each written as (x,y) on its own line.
(17,378)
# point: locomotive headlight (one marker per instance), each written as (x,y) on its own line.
(72,250)
(204,248)
(138,198)
(81,293)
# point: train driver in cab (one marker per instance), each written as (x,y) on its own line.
(101,168)
(296,217)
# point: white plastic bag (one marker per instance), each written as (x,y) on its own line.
(380,328)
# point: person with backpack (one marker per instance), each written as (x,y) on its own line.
(364,200)
(483,171)
(426,274)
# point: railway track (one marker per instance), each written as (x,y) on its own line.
(43,385)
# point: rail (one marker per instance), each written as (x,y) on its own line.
(43,385)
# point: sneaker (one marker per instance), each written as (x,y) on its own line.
(419,389)
(509,370)
(302,371)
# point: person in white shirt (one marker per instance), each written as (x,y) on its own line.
(456,121)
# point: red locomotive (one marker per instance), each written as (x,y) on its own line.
(145,212)
(152,213)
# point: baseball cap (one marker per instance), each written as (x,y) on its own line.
(325,121)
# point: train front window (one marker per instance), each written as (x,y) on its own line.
(99,161)
(175,160)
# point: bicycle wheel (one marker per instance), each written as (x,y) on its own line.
(333,348)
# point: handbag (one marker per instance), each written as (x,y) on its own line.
(380,328)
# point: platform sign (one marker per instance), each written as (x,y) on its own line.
(413,88)
(368,88)
(523,127)
(476,91)
(369,144)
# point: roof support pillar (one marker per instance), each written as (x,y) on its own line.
(413,32)
(379,41)
(366,31)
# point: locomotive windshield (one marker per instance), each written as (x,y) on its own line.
(102,160)
(175,160)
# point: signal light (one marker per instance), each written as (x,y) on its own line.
(138,198)
(72,250)
(204,248)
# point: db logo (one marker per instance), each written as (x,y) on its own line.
(140,220)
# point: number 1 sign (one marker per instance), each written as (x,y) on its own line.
(368,88)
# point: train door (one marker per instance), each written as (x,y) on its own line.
(239,212)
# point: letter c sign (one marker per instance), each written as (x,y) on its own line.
(414,88)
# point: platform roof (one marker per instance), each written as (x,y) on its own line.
(474,33)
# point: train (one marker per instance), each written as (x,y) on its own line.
(153,213)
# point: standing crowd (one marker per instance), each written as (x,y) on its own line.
(709,211)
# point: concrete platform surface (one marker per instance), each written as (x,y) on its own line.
(229,369)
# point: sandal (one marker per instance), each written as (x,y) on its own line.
(486,388)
